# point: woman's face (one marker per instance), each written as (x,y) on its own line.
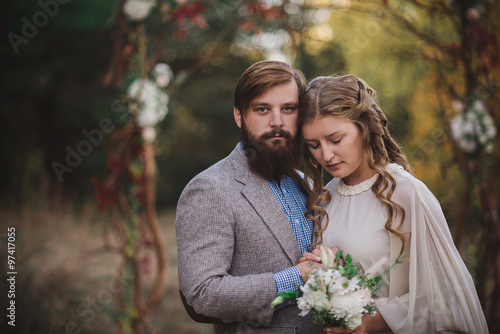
(336,144)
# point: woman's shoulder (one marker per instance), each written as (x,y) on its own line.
(403,177)
(408,187)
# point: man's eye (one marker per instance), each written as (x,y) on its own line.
(289,109)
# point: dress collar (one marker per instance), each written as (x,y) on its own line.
(345,190)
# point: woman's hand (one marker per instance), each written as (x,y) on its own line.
(315,256)
(361,329)
(369,324)
(338,330)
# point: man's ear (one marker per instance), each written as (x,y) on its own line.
(237,117)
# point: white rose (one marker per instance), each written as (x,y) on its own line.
(354,322)
(163,74)
(472,127)
(462,130)
(137,10)
(319,300)
(152,102)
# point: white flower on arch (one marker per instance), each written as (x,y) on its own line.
(138,10)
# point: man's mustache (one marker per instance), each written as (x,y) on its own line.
(276,132)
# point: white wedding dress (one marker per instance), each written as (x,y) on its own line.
(433,292)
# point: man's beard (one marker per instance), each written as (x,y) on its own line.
(272,159)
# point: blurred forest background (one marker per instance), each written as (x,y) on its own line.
(110,107)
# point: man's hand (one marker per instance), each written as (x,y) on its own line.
(306,267)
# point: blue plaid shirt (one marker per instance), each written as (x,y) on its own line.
(293,201)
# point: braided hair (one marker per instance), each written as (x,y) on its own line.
(350,97)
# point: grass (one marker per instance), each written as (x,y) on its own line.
(63,286)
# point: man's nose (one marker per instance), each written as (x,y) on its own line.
(276,118)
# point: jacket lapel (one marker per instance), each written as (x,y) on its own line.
(262,198)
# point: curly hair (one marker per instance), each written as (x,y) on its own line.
(350,97)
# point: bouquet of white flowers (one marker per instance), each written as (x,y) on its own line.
(338,295)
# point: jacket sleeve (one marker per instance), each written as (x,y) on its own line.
(205,231)
(434,291)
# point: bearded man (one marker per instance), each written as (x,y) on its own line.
(240,224)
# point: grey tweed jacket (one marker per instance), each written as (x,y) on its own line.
(232,235)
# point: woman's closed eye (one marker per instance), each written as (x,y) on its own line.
(313,145)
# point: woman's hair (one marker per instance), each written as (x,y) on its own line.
(351,98)
(261,76)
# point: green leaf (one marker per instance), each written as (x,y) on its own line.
(348,261)
(338,255)
(289,294)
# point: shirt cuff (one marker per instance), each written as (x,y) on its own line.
(289,279)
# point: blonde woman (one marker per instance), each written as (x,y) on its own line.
(375,208)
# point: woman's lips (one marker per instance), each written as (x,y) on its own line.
(334,166)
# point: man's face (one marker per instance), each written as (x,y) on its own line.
(269,132)
(271,114)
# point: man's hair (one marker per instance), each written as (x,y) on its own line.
(260,77)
